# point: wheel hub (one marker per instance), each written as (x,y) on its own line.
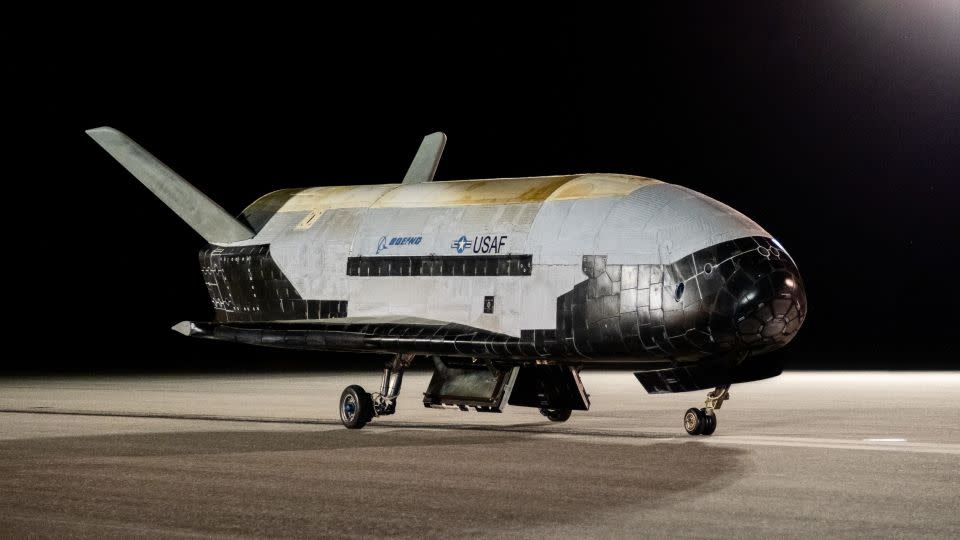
(349,408)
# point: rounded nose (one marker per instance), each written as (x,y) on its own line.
(771,301)
(771,311)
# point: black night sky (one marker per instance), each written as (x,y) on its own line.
(836,126)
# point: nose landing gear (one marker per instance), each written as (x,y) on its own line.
(357,407)
(704,421)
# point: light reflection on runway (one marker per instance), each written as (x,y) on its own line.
(889,444)
(806,453)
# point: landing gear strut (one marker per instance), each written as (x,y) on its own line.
(357,407)
(704,421)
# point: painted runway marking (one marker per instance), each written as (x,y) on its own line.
(838,444)
(550,430)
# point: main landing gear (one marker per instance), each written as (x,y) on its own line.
(556,415)
(357,407)
(704,421)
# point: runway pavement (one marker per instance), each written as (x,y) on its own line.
(838,454)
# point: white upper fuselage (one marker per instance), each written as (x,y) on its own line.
(559,219)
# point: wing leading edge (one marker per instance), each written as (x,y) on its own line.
(372,335)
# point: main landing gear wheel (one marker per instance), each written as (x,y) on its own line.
(356,407)
(556,415)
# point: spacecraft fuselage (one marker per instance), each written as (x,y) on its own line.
(582,268)
(510,285)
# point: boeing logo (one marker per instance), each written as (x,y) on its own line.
(398,241)
(480,244)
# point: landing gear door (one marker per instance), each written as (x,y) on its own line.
(466,383)
(550,387)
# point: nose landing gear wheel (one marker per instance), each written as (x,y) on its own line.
(699,422)
(710,424)
(556,415)
(356,407)
(694,420)
(704,421)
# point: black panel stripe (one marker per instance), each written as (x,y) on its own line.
(441,265)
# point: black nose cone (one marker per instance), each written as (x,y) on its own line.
(761,303)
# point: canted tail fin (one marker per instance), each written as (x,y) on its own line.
(424,164)
(204,215)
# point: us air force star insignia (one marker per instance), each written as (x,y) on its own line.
(461,244)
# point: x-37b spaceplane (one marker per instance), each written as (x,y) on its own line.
(509,286)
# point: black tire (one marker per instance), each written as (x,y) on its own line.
(556,415)
(710,423)
(694,421)
(356,407)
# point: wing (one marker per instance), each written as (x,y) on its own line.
(509,375)
(372,334)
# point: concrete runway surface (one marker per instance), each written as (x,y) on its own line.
(838,454)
